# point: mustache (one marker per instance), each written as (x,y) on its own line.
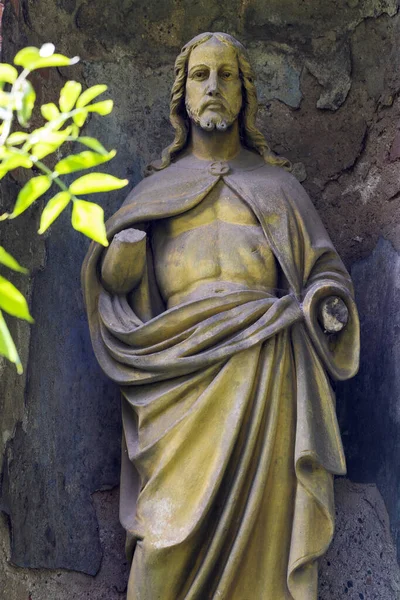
(208,102)
(204,104)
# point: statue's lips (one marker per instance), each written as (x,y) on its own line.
(213,104)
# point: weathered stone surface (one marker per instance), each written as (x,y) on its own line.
(32,255)
(138,126)
(69,444)
(369,404)
(361,563)
(40,584)
(68,5)
(278,73)
(337,16)
(331,66)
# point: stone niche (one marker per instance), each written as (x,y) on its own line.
(328,84)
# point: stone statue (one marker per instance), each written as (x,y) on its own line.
(222,310)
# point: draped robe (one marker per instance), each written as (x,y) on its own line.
(230,434)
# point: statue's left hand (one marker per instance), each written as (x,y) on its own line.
(333,314)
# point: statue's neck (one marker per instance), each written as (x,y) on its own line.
(214,145)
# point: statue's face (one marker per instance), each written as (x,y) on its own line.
(213,87)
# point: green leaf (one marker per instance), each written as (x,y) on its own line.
(14,161)
(5,99)
(53,209)
(90,94)
(19,161)
(41,149)
(88,218)
(27,57)
(92,143)
(69,95)
(55,125)
(80,118)
(16,138)
(57,60)
(96,182)
(49,111)
(75,130)
(49,137)
(102,108)
(30,58)
(83,160)
(26,102)
(43,134)
(31,191)
(9,261)
(8,73)
(12,301)
(51,142)
(7,346)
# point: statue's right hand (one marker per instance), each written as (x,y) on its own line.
(124,261)
(333,314)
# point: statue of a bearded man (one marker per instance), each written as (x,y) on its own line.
(222,310)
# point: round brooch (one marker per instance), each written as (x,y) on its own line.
(219,167)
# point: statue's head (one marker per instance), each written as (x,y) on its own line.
(214,87)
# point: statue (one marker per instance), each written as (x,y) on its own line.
(222,310)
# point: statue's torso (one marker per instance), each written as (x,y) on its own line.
(215,247)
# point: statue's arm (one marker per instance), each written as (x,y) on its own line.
(124,262)
(324,279)
(322,263)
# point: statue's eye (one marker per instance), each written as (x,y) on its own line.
(199,75)
(227,75)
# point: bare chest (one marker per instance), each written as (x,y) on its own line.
(220,240)
(221,205)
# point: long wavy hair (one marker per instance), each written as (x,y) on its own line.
(250,136)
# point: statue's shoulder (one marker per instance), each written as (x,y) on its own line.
(261,172)
(271,185)
(173,184)
(257,174)
(149,185)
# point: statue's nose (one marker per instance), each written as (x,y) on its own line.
(212,89)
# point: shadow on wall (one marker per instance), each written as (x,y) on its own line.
(69,443)
(369,405)
(41,584)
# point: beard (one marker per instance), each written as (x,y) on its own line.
(211,121)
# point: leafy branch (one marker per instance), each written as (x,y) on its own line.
(28,149)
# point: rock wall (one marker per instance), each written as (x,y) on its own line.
(328,83)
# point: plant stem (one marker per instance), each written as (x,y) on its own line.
(53,177)
(46,171)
